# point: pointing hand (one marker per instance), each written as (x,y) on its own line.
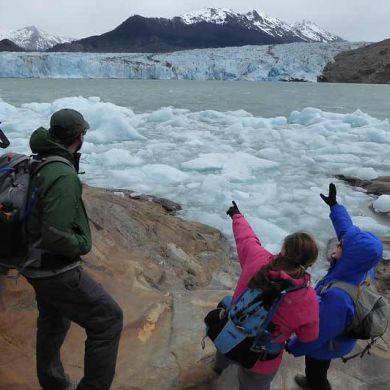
(233,210)
(330,200)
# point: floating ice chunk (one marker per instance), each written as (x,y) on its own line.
(163,115)
(339,158)
(238,166)
(115,157)
(114,129)
(358,119)
(382,204)
(360,173)
(371,225)
(6,109)
(272,154)
(268,232)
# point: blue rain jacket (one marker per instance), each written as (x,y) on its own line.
(361,251)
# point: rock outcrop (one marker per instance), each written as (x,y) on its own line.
(369,64)
(378,186)
(7,45)
(165,273)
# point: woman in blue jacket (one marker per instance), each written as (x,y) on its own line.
(356,254)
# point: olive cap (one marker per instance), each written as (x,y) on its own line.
(67,123)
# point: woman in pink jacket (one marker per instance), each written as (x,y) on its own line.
(297,314)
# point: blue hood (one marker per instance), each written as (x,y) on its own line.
(361,252)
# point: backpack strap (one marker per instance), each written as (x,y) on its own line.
(48,160)
(257,345)
(350,289)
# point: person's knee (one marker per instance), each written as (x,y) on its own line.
(53,324)
(112,320)
(118,318)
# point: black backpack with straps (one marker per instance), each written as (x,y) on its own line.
(16,171)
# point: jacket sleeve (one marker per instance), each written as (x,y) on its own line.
(60,234)
(340,219)
(335,316)
(248,245)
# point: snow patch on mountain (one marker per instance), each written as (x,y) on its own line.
(253,20)
(209,15)
(311,32)
(33,38)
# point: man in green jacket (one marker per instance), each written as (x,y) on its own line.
(58,234)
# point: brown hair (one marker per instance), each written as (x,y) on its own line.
(299,252)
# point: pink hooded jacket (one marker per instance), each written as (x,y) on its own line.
(298,313)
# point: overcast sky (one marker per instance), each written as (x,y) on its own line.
(354,20)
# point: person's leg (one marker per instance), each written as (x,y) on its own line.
(84,301)
(316,373)
(249,380)
(221,362)
(52,328)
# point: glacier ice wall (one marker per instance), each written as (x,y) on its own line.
(295,61)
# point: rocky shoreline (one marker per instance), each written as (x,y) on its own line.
(166,273)
(368,64)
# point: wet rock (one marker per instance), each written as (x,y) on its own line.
(159,268)
(378,186)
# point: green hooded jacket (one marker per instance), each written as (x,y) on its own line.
(58,222)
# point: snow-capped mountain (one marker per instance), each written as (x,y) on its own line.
(311,32)
(32,38)
(253,20)
(207,28)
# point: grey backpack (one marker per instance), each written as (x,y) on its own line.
(371,314)
(15,205)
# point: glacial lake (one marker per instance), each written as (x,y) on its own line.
(266,99)
(271,147)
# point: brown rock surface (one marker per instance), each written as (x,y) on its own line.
(369,64)
(378,186)
(164,273)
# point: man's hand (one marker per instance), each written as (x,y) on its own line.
(330,200)
(233,210)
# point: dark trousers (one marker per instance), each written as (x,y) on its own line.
(316,373)
(74,296)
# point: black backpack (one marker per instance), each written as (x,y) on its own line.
(16,171)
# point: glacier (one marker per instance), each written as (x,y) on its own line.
(285,62)
(274,168)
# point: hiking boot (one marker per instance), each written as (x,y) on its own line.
(301,381)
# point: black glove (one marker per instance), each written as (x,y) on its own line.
(286,348)
(233,210)
(330,200)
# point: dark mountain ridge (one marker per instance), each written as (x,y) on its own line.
(139,34)
(207,28)
(7,45)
